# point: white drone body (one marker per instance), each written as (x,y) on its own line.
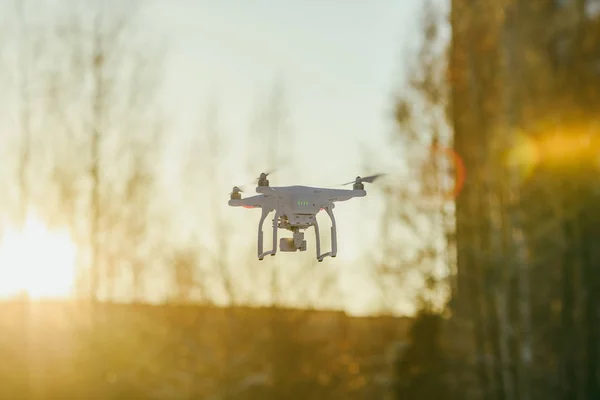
(296,209)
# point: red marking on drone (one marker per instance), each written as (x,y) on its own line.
(248,206)
(460,172)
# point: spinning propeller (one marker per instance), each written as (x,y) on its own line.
(262,179)
(236,190)
(367,179)
(235,193)
(264,175)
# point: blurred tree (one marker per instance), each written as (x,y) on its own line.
(421,371)
(105,141)
(415,268)
(185,264)
(418,210)
(522,85)
(25,110)
(99,149)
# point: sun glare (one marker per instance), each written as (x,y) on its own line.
(558,149)
(37,261)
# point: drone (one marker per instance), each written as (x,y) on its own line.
(296,209)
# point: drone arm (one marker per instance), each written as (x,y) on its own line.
(345,195)
(249,202)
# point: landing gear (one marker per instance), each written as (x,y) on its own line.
(333,251)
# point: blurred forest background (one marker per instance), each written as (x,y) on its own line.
(497,120)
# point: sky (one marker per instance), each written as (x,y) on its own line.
(339,63)
(339,67)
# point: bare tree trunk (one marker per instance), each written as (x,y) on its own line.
(590,279)
(501,301)
(275,129)
(219,258)
(478,130)
(512,102)
(97,71)
(24,155)
(567,367)
(23,169)
(519,258)
(214,159)
(96,142)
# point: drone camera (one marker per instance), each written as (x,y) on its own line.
(293,244)
(287,245)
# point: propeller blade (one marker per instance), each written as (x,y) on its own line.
(372,178)
(264,175)
(366,179)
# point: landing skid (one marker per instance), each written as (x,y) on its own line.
(273,251)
